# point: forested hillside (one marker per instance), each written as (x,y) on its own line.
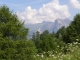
(14,45)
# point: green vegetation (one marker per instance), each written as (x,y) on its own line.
(13,37)
(10,26)
(14,45)
(73,50)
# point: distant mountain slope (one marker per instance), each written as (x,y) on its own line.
(50,26)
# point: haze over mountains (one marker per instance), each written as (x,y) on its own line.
(50,26)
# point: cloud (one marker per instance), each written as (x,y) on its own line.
(75,3)
(48,12)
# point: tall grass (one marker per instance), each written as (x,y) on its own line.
(71,51)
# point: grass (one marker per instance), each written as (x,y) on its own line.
(73,53)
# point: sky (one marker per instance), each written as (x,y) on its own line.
(37,11)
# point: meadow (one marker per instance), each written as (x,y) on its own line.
(72,53)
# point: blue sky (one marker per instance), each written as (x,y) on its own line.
(36,11)
(20,5)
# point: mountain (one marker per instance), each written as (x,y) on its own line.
(50,26)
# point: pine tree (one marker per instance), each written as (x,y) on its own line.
(73,31)
(10,26)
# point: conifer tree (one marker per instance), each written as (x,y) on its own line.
(73,31)
(10,26)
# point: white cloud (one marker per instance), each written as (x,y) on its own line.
(75,3)
(48,12)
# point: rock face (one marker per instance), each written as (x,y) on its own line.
(50,26)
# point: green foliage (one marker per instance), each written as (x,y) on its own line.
(73,31)
(10,26)
(25,50)
(13,38)
(72,49)
(17,50)
(45,41)
(61,32)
